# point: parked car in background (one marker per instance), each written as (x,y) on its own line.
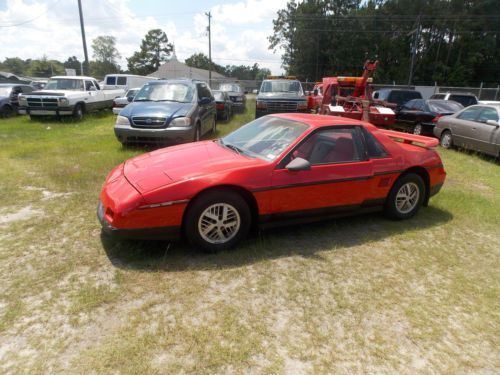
(125,81)
(9,93)
(280,95)
(476,128)
(419,116)
(223,104)
(396,96)
(122,101)
(236,94)
(466,99)
(168,111)
(276,170)
(68,96)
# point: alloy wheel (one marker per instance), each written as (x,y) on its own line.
(219,223)
(407,197)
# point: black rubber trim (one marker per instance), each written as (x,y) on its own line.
(311,183)
(435,189)
(318,214)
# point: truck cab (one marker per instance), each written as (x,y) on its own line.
(280,95)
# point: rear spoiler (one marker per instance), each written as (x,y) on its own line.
(417,140)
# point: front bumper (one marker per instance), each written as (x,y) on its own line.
(154,233)
(47,111)
(128,134)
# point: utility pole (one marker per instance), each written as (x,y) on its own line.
(416,39)
(83,35)
(209,15)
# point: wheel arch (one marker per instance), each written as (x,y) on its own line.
(82,104)
(422,172)
(244,193)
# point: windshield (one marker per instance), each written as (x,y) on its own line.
(165,92)
(266,137)
(229,87)
(5,91)
(444,106)
(281,86)
(218,96)
(64,84)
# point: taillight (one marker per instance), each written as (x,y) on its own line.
(220,105)
(435,119)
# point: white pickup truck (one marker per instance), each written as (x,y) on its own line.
(68,96)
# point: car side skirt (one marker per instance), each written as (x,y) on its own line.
(319,214)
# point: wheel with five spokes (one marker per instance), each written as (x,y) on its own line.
(406,197)
(217,220)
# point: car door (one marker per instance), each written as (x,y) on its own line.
(486,135)
(91,99)
(339,179)
(462,126)
(203,106)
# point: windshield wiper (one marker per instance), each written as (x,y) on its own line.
(169,100)
(236,149)
(142,100)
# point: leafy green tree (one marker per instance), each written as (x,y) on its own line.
(73,63)
(105,55)
(45,68)
(155,49)
(14,65)
(201,61)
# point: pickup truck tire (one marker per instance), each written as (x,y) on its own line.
(78,112)
(6,111)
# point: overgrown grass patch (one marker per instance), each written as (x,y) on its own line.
(354,295)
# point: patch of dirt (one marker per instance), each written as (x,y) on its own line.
(22,214)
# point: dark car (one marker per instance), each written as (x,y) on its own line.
(8,97)
(236,94)
(396,96)
(419,116)
(466,99)
(224,105)
(168,111)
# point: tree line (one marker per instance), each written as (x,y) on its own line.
(154,50)
(453,42)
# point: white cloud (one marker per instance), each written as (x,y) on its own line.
(239,30)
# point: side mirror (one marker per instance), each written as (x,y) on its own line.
(493,122)
(130,98)
(298,164)
(205,101)
(315,92)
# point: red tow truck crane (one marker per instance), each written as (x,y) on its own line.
(352,97)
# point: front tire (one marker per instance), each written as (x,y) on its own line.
(78,112)
(406,197)
(214,125)
(217,220)
(446,140)
(7,111)
(197,133)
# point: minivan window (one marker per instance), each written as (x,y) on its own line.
(110,80)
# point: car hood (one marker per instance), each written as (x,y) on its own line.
(166,109)
(159,168)
(280,95)
(54,93)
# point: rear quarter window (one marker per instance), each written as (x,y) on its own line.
(110,80)
(122,81)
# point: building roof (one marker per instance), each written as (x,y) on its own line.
(176,69)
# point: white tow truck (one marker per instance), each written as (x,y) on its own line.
(68,96)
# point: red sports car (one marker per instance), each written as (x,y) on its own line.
(284,168)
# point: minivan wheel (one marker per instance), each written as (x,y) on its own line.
(406,197)
(197,133)
(217,220)
(446,140)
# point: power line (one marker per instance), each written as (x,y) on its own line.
(32,19)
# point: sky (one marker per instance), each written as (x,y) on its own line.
(34,28)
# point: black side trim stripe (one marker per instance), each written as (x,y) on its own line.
(338,180)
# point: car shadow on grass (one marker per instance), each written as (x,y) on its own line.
(305,240)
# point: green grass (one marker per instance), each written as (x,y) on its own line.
(356,295)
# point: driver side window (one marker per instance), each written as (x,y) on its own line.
(339,145)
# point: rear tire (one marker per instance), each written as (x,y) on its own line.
(7,111)
(406,197)
(217,220)
(446,140)
(197,133)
